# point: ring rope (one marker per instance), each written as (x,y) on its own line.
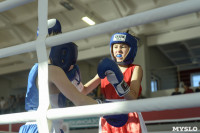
(9,4)
(143,105)
(163,103)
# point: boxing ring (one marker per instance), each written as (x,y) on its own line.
(43,115)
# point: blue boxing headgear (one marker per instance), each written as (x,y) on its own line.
(64,55)
(128,39)
(54,27)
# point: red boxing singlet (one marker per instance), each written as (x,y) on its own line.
(109,91)
(133,123)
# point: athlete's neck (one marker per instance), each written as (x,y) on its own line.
(123,67)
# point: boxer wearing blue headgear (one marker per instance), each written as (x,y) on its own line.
(128,39)
(64,55)
(63,58)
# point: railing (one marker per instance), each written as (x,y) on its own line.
(43,116)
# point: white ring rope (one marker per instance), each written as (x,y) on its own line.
(143,105)
(153,15)
(9,4)
(18,117)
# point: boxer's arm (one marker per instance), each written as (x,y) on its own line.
(136,80)
(91,85)
(58,78)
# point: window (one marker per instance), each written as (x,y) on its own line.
(195,79)
(154,85)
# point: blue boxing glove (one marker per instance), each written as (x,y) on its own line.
(75,77)
(108,68)
(74,74)
(117,120)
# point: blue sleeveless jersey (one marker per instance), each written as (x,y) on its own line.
(32,96)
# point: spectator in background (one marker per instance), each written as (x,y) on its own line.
(176,92)
(22,102)
(13,106)
(187,89)
(198,88)
(2,105)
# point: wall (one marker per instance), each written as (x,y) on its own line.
(12,84)
(4,88)
(158,59)
(162,68)
(88,69)
(142,58)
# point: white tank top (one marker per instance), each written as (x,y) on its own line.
(57,124)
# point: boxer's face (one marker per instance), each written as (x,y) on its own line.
(120,51)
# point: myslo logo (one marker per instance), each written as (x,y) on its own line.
(184,129)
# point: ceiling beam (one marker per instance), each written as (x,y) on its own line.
(174,24)
(175,36)
(26,58)
(88,11)
(9,4)
(192,56)
(15,68)
(93,53)
(183,58)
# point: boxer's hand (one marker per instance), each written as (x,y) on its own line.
(108,68)
(74,74)
(75,77)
